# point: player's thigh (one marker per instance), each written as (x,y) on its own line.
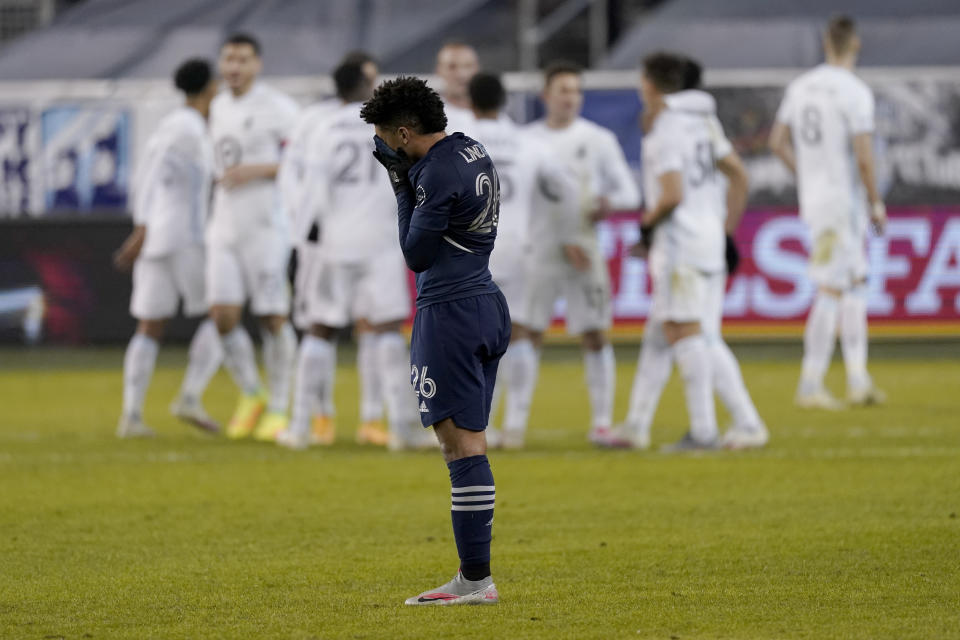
(155,294)
(588,299)
(264,261)
(188,270)
(544,285)
(678,293)
(383,293)
(331,292)
(225,281)
(836,260)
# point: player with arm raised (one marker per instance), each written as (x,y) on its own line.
(358,274)
(524,167)
(306,239)
(166,252)
(824,134)
(457,63)
(448,209)
(655,364)
(574,267)
(248,238)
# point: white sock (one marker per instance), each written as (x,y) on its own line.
(728,381)
(818,342)
(279,352)
(316,367)
(371,387)
(601,371)
(520,379)
(394,363)
(240,360)
(138,365)
(693,359)
(853,337)
(206,356)
(653,370)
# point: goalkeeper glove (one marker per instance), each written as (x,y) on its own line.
(732,255)
(397,164)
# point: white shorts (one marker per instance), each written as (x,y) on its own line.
(159,284)
(838,258)
(377,291)
(679,291)
(255,270)
(511,276)
(307,255)
(587,294)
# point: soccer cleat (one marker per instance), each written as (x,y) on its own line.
(323,431)
(459,591)
(866,397)
(608,438)
(818,400)
(133,427)
(191,411)
(624,437)
(688,443)
(294,440)
(246,416)
(755,437)
(272,423)
(373,432)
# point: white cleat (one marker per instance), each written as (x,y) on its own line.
(818,400)
(133,427)
(458,591)
(295,441)
(866,397)
(737,438)
(192,412)
(623,436)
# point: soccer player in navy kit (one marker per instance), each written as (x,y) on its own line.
(448,197)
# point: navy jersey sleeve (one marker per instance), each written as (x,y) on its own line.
(436,195)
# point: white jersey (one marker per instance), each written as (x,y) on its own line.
(687,141)
(291,174)
(346,190)
(459,119)
(825,108)
(250,129)
(593,154)
(174,181)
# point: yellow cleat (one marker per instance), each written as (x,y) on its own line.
(323,431)
(272,423)
(246,416)
(373,432)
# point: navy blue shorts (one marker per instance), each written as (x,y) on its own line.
(455,351)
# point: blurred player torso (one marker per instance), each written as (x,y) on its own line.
(355,206)
(251,129)
(174,195)
(689,142)
(824,108)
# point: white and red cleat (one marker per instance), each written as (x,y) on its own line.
(458,591)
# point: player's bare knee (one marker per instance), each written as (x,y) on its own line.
(518,332)
(536,337)
(830,291)
(385,327)
(273,324)
(225,318)
(676,331)
(594,340)
(152,328)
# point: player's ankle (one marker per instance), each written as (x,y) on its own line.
(475,572)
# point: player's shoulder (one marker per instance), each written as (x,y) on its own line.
(269,96)
(181,124)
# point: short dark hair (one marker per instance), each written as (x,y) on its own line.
(348,78)
(559,68)
(193,76)
(487,92)
(840,32)
(692,74)
(667,71)
(358,56)
(406,101)
(243,38)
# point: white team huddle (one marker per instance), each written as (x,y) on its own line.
(287,178)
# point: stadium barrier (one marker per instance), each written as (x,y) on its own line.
(69,150)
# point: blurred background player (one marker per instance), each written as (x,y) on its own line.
(358,274)
(824,134)
(524,166)
(166,252)
(457,63)
(306,238)
(576,269)
(727,204)
(248,240)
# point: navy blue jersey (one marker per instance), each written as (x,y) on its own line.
(454,221)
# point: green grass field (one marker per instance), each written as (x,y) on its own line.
(847,526)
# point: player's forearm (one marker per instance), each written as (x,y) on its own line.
(786,155)
(737,191)
(865,168)
(264,171)
(782,147)
(420,248)
(660,211)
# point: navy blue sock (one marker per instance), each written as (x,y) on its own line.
(472,497)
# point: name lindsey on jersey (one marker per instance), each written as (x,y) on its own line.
(473,153)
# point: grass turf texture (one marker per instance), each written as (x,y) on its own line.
(846,527)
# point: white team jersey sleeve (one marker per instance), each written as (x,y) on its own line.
(617,181)
(861,115)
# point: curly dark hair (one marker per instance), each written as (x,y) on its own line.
(667,71)
(692,74)
(406,102)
